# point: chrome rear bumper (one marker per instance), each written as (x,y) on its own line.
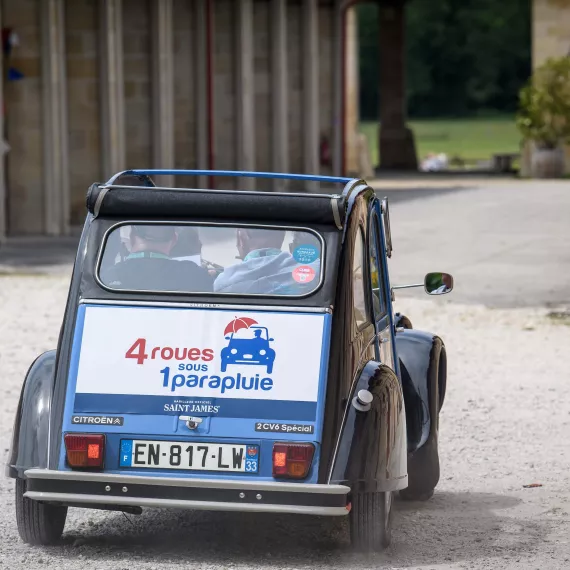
(87,488)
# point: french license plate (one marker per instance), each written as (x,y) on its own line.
(190,456)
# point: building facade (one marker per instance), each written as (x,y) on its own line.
(92,87)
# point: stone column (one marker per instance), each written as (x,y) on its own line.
(54,111)
(163,88)
(338,64)
(279,91)
(351,103)
(311,89)
(112,87)
(397,148)
(202,105)
(245,92)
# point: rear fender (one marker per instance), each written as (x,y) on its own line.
(30,438)
(372,454)
(423,371)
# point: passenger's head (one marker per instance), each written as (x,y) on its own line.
(250,239)
(157,239)
(188,242)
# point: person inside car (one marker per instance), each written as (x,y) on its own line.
(149,264)
(265,269)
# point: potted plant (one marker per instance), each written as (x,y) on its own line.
(544,116)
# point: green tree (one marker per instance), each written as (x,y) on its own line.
(463,56)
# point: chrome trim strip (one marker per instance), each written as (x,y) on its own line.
(194,505)
(208,224)
(336,213)
(239,485)
(99,201)
(268,308)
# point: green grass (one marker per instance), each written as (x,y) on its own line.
(469,139)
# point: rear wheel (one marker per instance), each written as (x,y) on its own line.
(371,521)
(38,523)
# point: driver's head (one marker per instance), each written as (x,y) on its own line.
(251,239)
(304,238)
(157,239)
(257,333)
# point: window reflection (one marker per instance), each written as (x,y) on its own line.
(211,259)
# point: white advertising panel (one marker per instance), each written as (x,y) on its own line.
(202,361)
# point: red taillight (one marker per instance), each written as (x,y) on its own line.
(292,460)
(85,450)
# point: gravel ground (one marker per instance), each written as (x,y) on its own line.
(505,423)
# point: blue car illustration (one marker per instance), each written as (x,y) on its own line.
(249,346)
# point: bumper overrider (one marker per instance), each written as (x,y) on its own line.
(88,488)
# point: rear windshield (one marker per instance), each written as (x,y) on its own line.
(217,259)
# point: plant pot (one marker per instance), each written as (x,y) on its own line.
(547,162)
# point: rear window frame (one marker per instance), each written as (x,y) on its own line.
(233,225)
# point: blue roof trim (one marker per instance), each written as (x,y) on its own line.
(236,174)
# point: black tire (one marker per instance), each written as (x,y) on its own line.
(423,464)
(423,472)
(371,521)
(38,523)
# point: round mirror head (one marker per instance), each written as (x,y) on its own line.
(438,283)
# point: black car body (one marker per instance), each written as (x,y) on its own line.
(352,419)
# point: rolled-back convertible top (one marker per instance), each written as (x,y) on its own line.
(135,195)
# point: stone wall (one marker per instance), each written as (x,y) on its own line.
(23,99)
(23,105)
(137,72)
(262,93)
(224,86)
(326,79)
(184,85)
(295,79)
(83,96)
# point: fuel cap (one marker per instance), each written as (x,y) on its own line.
(363,400)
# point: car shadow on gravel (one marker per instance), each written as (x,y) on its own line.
(451,527)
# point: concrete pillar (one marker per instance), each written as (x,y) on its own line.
(245,124)
(163,88)
(311,89)
(279,91)
(397,148)
(112,87)
(202,104)
(54,111)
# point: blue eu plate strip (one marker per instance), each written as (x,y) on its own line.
(126,452)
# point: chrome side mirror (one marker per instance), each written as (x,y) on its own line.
(438,283)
